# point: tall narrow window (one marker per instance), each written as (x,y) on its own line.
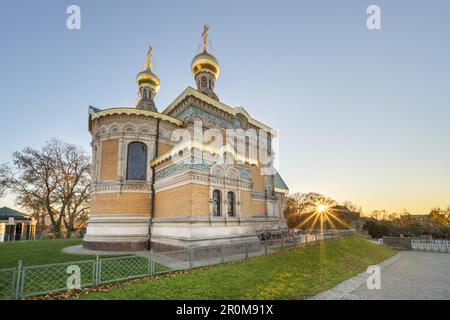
(204,82)
(137,161)
(217,199)
(231,204)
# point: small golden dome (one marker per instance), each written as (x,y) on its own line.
(147,76)
(205,62)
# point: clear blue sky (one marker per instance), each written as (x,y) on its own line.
(363,115)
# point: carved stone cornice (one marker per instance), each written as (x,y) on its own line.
(121,187)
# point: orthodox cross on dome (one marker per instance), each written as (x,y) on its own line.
(205,36)
(148,64)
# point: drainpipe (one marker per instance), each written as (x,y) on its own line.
(152,188)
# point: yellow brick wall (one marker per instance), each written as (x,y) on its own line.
(251,207)
(125,203)
(200,200)
(258,207)
(184,201)
(257,179)
(108,166)
(246,209)
(174,202)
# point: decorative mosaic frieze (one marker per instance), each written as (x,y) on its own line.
(244,173)
(183,165)
(204,179)
(201,164)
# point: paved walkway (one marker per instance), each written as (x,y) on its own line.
(408,275)
(79,249)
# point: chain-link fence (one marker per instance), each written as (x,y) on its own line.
(36,280)
(26,281)
(8,279)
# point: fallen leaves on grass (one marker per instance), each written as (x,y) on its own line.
(70,294)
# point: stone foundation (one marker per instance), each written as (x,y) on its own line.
(116,246)
(130,233)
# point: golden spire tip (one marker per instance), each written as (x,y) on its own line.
(205,36)
(148,63)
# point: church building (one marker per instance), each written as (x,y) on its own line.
(160,181)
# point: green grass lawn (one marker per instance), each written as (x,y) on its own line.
(290,275)
(37,252)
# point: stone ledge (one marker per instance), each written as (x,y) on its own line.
(115,246)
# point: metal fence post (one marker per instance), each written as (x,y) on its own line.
(246,250)
(97,269)
(153,269)
(266,247)
(191,256)
(222,253)
(149,263)
(18,277)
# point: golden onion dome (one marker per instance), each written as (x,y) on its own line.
(205,62)
(147,76)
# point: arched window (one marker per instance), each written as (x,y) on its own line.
(203,82)
(144,94)
(210,85)
(137,161)
(217,199)
(231,204)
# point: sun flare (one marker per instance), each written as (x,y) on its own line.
(322,213)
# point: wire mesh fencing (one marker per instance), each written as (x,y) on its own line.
(171,261)
(8,278)
(123,268)
(26,281)
(42,279)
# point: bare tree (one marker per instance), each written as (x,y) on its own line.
(73,183)
(351,206)
(379,215)
(52,183)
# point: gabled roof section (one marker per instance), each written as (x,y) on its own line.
(279,184)
(222,106)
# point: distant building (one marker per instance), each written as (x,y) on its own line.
(15,225)
(420,217)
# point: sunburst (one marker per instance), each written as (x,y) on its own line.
(321,213)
